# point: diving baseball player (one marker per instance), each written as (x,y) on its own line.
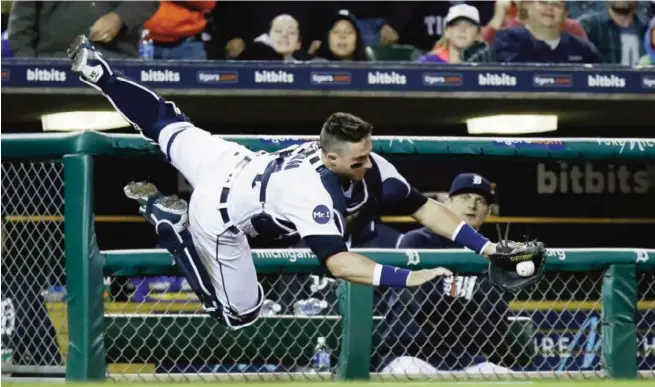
(238,193)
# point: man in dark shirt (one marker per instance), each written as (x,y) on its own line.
(45,28)
(542,40)
(617,32)
(460,317)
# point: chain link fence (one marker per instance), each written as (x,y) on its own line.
(458,327)
(33,275)
(646,323)
(155,327)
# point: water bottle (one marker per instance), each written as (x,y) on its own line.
(321,358)
(309,307)
(270,308)
(146,46)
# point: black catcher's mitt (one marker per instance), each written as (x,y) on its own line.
(502,265)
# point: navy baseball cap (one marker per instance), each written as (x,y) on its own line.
(472,183)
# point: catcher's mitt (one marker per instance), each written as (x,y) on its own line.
(502,265)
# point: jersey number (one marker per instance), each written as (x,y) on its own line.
(291,164)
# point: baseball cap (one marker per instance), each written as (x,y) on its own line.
(464,11)
(472,182)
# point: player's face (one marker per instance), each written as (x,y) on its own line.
(354,159)
(470,207)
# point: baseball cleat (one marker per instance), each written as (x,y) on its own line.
(141,191)
(172,209)
(87,60)
(155,207)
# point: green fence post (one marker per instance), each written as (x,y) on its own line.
(356,307)
(84,278)
(619,332)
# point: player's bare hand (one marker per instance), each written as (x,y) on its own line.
(419,277)
(489,250)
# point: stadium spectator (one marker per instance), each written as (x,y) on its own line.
(380,23)
(343,40)
(541,39)
(579,8)
(450,322)
(281,42)
(510,14)
(649,45)
(6,10)
(461,38)
(46,28)
(239,23)
(177,29)
(617,31)
(428,21)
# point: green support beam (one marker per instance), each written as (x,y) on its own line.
(619,331)
(84,279)
(356,307)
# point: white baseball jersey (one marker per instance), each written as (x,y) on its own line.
(295,195)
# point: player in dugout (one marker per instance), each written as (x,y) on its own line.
(462,317)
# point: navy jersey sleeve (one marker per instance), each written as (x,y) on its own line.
(396,191)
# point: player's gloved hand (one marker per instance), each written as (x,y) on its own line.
(502,265)
(419,277)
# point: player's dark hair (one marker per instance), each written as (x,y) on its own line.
(343,127)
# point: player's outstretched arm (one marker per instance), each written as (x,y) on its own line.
(444,222)
(357,268)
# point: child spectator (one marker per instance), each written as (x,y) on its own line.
(649,45)
(509,14)
(461,38)
(617,31)
(343,41)
(542,40)
(282,42)
(176,29)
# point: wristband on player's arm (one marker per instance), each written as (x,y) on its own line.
(466,236)
(385,275)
